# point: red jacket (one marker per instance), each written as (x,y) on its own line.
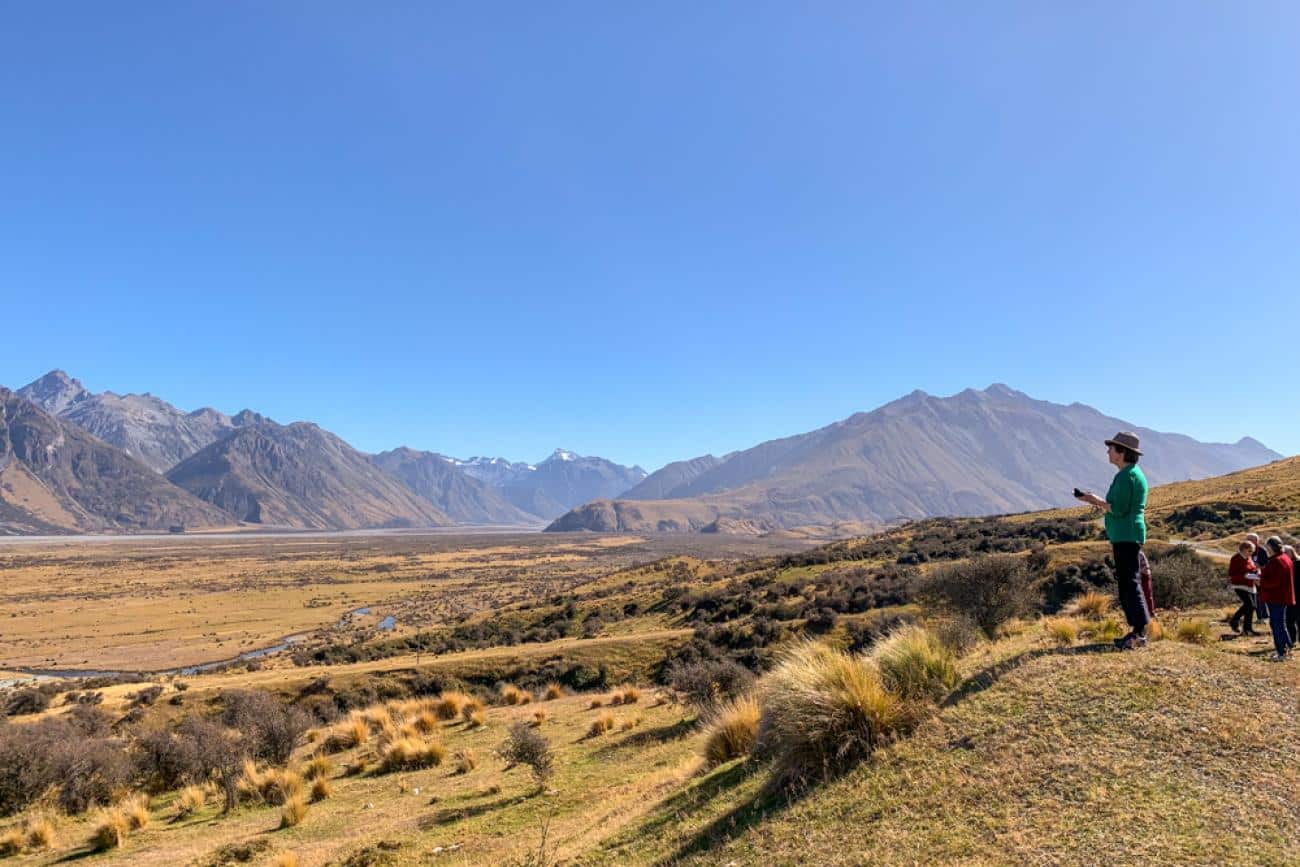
(1238,568)
(1277,581)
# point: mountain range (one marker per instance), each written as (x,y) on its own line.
(75,461)
(974,453)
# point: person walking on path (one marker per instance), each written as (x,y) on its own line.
(1243,576)
(1277,589)
(1125,519)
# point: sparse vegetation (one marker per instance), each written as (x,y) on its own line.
(408,754)
(604,722)
(526,746)
(293,812)
(991,590)
(1195,630)
(1091,604)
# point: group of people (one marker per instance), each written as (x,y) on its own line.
(1262,575)
(1264,578)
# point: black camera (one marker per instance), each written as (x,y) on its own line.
(1078,494)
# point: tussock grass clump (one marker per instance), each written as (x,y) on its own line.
(625,695)
(914,664)
(552,691)
(317,767)
(321,788)
(408,754)
(1194,631)
(190,800)
(451,705)
(38,832)
(601,724)
(388,732)
(426,721)
(539,717)
(511,694)
(595,703)
(136,810)
(377,717)
(350,733)
(1092,604)
(824,709)
(465,761)
(1063,630)
(732,730)
(285,859)
(630,722)
(1155,632)
(11,842)
(472,707)
(357,767)
(477,719)
(293,812)
(111,829)
(280,786)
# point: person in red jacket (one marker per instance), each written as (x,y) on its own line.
(1277,591)
(1243,576)
(1293,611)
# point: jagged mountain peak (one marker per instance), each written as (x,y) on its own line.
(54,392)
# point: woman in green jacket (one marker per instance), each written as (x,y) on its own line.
(1125,518)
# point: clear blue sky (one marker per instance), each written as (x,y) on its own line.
(650,231)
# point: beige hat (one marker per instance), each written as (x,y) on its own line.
(1127,440)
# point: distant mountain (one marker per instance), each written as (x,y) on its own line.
(462,497)
(974,453)
(298,475)
(557,484)
(145,427)
(56,478)
(673,480)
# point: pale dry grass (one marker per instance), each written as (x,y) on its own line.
(1092,604)
(914,664)
(732,730)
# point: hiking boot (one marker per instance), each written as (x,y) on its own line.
(1277,657)
(1128,642)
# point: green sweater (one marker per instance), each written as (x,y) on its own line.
(1126,520)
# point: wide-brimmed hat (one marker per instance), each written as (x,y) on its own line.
(1125,440)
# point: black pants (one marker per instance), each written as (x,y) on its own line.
(1130,590)
(1293,623)
(1247,609)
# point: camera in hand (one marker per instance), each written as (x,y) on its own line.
(1078,494)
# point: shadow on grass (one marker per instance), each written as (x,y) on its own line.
(658,735)
(982,680)
(447,815)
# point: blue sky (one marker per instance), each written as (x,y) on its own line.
(654,231)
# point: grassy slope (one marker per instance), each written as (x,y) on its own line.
(1046,756)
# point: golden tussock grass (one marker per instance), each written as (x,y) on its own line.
(293,812)
(427,721)
(274,786)
(465,761)
(595,703)
(451,705)
(472,707)
(601,724)
(408,754)
(111,828)
(11,842)
(388,732)
(552,691)
(732,730)
(914,664)
(285,859)
(477,719)
(352,732)
(1092,604)
(136,810)
(38,832)
(511,694)
(377,717)
(357,767)
(190,800)
(630,722)
(317,767)
(1194,631)
(1106,629)
(1155,632)
(824,708)
(1063,630)
(539,717)
(321,788)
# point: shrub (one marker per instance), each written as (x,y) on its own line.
(190,800)
(26,701)
(321,788)
(823,710)
(136,809)
(526,746)
(38,832)
(465,761)
(958,632)
(1181,578)
(406,754)
(708,681)
(1092,604)
(293,812)
(269,729)
(1063,630)
(732,730)
(990,589)
(914,665)
(602,723)
(111,830)
(553,691)
(1194,631)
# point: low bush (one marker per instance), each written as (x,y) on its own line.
(1091,603)
(190,800)
(408,754)
(553,691)
(465,761)
(603,723)
(1194,631)
(269,729)
(527,746)
(824,710)
(914,665)
(709,681)
(991,589)
(111,828)
(1063,630)
(732,730)
(321,788)
(26,701)
(1181,578)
